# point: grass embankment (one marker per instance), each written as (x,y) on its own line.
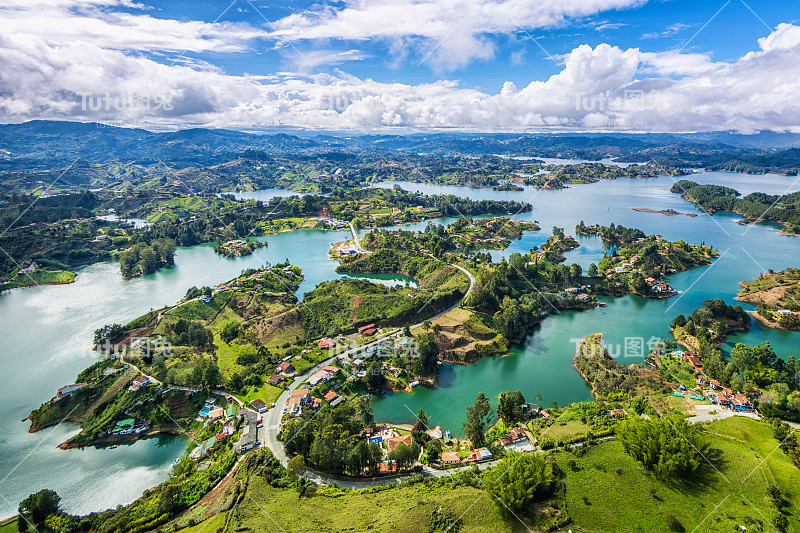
(462,337)
(775,295)
(404,509)
(41,277)
(621,496)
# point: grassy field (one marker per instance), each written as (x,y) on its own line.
(266,392)
(621,496)
(560,430)
(404,509)
(9,526)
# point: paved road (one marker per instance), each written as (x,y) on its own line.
(272,418)
(359,249)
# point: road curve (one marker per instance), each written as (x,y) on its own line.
(272,418)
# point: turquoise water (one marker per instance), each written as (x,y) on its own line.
(542,364)
(47,331)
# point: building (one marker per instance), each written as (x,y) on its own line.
(363,329)
(216,414)
(480,455)
(138,383)
(515,436)
(394,442)
(617,413)
(286,367)
(326,344)
(259,405)
(450,458)
(66,390)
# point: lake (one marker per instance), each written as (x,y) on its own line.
(47,331)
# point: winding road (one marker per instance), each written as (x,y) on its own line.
(272,418)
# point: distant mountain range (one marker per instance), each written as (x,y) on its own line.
(50,143)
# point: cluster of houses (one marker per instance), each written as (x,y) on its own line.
(327,373)
(30,269)
(347,248)
(369,329)
(726,396)
(334,223)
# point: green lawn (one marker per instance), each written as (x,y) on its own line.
(634,500)
(560,430)
(9,526)
(404,509)
(266,392)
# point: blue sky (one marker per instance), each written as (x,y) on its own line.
(655,26)
(496,65)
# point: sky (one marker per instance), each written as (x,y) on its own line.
(399,66)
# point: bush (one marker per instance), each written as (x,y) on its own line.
(673,523)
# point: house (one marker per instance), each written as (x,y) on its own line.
(231,411)
(66,390)
(337,401)
(740,402)
(286,367)
(514,436)
(124,427)
(301,394)
(326,344)
(617,413)
(330,396)
(138,383)
(394,442)
(784,312)
(259,405)
(694,362)
(274,379)
(450,458)
(216,414)
(530,410)
(362,329)
(480,454)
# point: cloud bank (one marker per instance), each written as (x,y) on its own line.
(105,65)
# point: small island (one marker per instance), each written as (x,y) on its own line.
(775,295)
(239,247)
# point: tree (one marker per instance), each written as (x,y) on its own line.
(478,416)
(37,507)
(376,381)
(575,271)
(593,272)
(420,427)
(519,480)
(428,353)
(433,451)
(296,467)
(229,332)
(509,408)
(669,447)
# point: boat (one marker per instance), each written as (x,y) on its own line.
(176,461)
(413,384)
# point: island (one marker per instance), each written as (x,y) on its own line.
(775,295)
(758,206)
